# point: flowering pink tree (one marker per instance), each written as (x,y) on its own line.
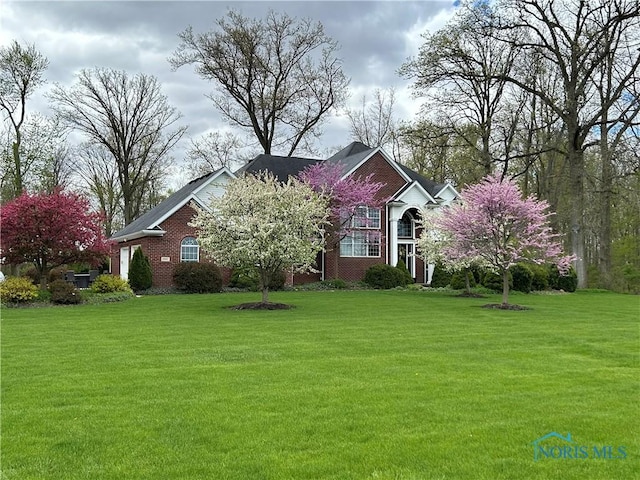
(345,195)
(494,223)
(50,230)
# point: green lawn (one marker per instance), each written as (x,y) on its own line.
(347,385)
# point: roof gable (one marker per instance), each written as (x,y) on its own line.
(414,194)
(154,217)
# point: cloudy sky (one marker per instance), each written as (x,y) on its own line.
(375,39)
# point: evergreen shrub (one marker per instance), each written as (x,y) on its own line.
(522,278)
(540,278)
(194,277)
(405,272)
(493,281)
(140,277)
(384,276)
(63,293)
(441,277)
(459,280)
(567,283)
(248,279)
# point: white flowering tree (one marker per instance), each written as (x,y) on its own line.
(260,223)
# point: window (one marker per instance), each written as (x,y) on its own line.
(360,244)
(189,250)
(366,217)
(405,226)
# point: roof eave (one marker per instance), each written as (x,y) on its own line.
(139,234)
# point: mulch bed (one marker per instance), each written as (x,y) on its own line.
(261,306)
(502,306)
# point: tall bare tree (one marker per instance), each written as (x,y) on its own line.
(459,70)
(216,150)
(624,109)
(21,73)
(373,122)
(99,177)
(570,36)
(277,77)
(132,119)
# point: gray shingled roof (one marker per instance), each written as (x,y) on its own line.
(429,185)
(351,156)
(281,167)
(150,219)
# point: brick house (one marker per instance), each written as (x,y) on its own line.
(388,235)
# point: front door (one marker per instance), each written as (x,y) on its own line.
(405,253)
(124,263)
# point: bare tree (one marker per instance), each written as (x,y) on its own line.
(132,119)
(99,176)
(372,123)
(570,37)
(277,77)
(619,116)
(21,73)
(216,150)
(459,70)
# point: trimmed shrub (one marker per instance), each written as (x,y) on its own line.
(405,272)
(140,271)
(335,283)
(540,278)
(109,283)
(63,293)
(248,279)
(193,277)
(567,283)
(17,290)
(441,277)
(57,273)
(31,272)
(459,280)
(493,281)
(522,278)
(92,298)
(384,276)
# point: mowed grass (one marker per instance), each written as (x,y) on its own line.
(347,385)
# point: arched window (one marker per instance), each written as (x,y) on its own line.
(405,226)
(189,250)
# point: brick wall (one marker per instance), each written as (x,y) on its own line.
(164,252)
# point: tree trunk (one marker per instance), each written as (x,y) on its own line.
(576,173)
(265,294)
(18,184)
(604,234)
(505,287)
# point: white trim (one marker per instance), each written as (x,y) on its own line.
(139,234)
(448,186)
(414,185)
(386,157)
(192,197)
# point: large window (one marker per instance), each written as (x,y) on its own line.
(366,217)
(360,244)
(189,250)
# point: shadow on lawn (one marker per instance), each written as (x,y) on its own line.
(499,306)
(261,306)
